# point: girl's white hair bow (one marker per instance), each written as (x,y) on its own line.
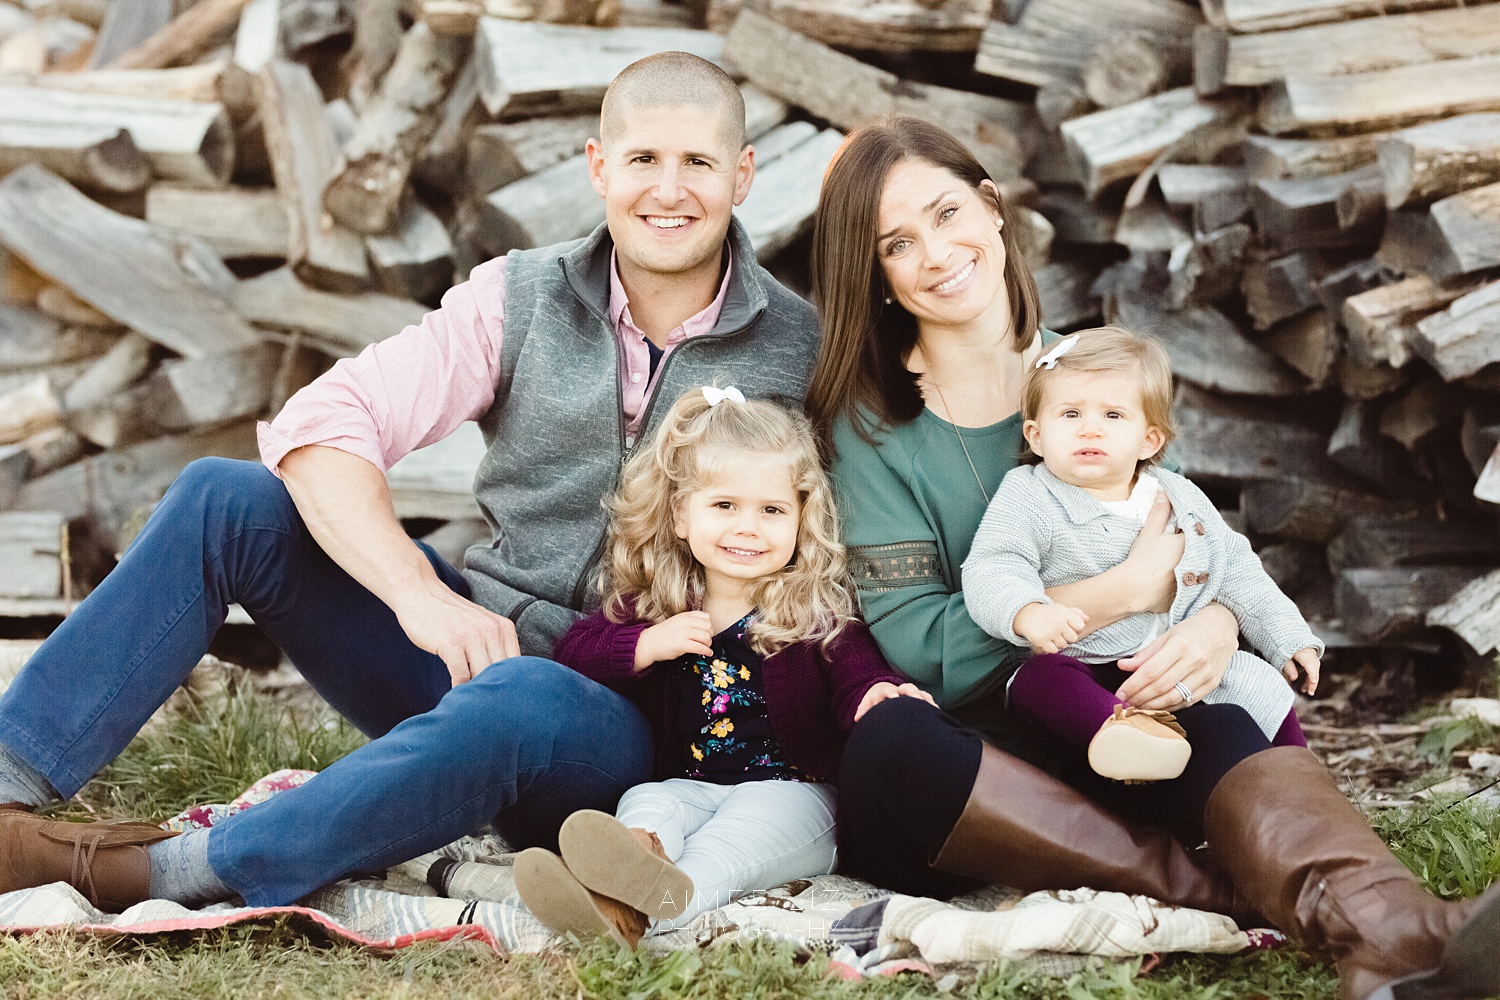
(1049,360)
(716,396)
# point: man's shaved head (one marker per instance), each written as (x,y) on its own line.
(673,80)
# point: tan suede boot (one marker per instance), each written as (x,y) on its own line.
(106,862)
(556,898)
(1309,861)
(622,863)
(1136,745)
(1025,829)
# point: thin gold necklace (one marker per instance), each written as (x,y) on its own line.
(954,424)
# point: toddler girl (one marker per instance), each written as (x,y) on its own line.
(728,619)
(1097,412)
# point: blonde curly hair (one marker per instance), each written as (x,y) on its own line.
(650,574)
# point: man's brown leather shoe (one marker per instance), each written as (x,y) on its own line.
(106,862)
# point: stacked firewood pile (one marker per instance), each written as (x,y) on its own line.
(205,203)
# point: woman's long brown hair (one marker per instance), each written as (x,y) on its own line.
(862,361)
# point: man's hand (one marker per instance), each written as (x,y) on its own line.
(466,636)
(1308,660)
(885,689)
(1050,628)
(1154,557)
(1195,652)
(688,632)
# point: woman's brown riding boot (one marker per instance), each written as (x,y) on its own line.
(106,862)
(1309,861)
(1025,829)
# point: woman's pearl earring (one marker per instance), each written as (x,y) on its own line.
(999,223)
(887,300)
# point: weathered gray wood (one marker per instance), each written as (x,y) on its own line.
(303,154)
(550,206)
(1358,447)
(438,481)
(1267,157)
(1118,143)
(1053,39)
(503,154)
(126,26)
(415,261)
(1309,344)
(1431,161)
(1473,613)
(32,339)
(342,324)
(846,92)
(131,415)
(1223,59)
(1064,289)
(120,367)
(221,387)
(1354,278)
(131,272)
(1132,67)
(1488,486)
(1218,439)
(1309,510)
(377,37)
(199,82)
(1462,338)
(1060,100)
(886,25)
(1275,15)
(1281,288)
(1303,213)
(59,303)
(185,38)
(107,488)
(30,546)
(368,183)
(1358,381)
(1207,267)
(1012,52)
(1413,245)
(781,204)
(305,23)
(1206,349)
(1469,224)
(1188,185)
(1078,219)
(49,450)
(257,41)
(526,68)
(28,409)
(461,17)
(1381,604)
(90,156)
(1385,98)
(443,163)
(1420,410)
(235,222)
(186,141)
(1388,542)
(1151,226)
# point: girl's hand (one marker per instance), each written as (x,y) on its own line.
(885,689)
(1050,628)
(688,632)
(1308,660)
(1154,558)
(1195,652)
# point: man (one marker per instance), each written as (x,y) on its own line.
(565,355)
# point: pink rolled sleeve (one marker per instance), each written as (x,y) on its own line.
(407,391)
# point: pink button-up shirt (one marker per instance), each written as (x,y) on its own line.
(415,388)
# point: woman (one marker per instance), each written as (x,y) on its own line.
(930,322)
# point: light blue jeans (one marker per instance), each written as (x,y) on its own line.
(733,839)
(524,744)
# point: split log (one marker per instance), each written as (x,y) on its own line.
(1276,15)
(222,387)
(1423,164)
(368,183)
(1389,542)
(1480,433)
(31,339)
(1078,219)
(1309,510)
(1358,447)
(1381,604)
(438,481)
(1473,613)
(126,26)
(1060,100)
(1419,411)
(1118,143)
(1385,98)
(1309,345)
(415,261)
(49,450)
(305,23)
(847,93)
(550,206)
(200,82)
(461,17)
(15,469)
(120,367)
(1207,349)
(532,69)
(188,35)
(1219,439)
(1469,225)
(780,206)
(131,272)
(90,156)
(30,554)
(185,141)
(235,222)
(1132,68)
(1339,285)
(29,409)
(61,304)
(897,26)
(1217,196)
(19,284)
(1064,290)
(59,376)
(1207,267)
(1012,52)
(503,154)
(1222,59)
(1281,288)
(106,488)
(1357,381)
(377,38)
(1464,337)
(343,325)
(1151,226)
(1303,213)
(1052,40)
(442,164)
(1488,486)
(257,41)
(1267,157)
(1412,244)
(303,154)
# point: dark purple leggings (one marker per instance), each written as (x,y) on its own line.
(1072,699)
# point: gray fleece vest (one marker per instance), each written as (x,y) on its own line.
(556,434)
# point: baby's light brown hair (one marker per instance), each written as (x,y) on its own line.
(1112,349)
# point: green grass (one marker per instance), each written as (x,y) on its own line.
(212,751)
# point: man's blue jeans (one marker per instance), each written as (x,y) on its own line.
(524,744)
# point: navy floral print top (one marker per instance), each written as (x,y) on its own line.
(720,730)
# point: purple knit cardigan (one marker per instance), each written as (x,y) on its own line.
(811,692)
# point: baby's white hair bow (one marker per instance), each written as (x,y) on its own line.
(717,396)
(1049,360)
